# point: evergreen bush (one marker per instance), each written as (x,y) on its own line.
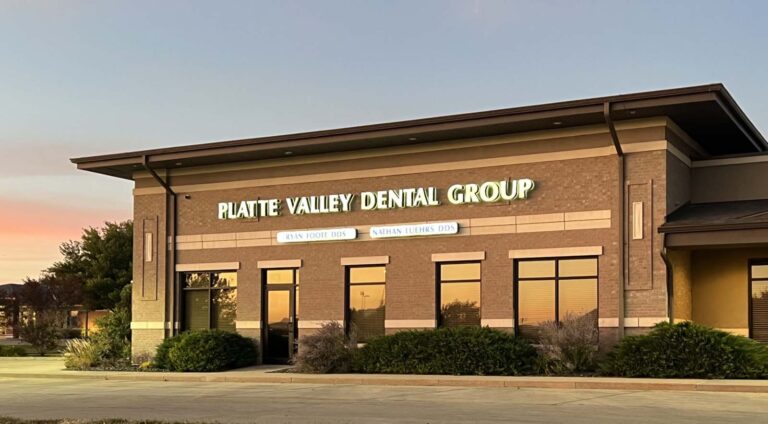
(687,350)
(207,351)
(453,351)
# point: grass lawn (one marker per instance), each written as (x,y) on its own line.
(9,420)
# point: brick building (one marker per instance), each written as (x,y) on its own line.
(626,210)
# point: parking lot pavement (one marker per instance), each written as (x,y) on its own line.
(301,403)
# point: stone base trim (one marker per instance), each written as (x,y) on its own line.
(497,322)
(631,322)
(248,325)
(737,331)
(410,323)
(150,325)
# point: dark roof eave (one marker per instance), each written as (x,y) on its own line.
(676,229)
(123,164)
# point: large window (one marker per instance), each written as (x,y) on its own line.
(554,290)
(366,302)
(210,300)
(758,300)
(459,294)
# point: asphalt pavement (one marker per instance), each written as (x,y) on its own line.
(41,398)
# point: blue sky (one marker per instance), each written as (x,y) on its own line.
(84,77)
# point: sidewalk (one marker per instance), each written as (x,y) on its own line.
(54,368)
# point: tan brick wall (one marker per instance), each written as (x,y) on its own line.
(575,185)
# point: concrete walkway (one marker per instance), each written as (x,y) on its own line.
(54,368)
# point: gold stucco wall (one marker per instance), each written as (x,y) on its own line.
(720,287)
(681,283)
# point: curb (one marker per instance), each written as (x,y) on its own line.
(575,383)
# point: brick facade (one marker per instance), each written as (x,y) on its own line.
(587,180)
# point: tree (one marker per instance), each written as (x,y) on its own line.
(101,260)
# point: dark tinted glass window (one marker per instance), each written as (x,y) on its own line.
(555,290)
(758,302)
(210,300)
(459,294)
(366,299)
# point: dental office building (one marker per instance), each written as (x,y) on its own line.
(627,210)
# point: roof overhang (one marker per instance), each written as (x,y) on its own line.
(707,113)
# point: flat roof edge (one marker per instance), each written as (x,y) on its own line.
(467,118)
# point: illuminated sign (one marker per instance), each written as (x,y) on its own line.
(457,194)
(414,230)
(328,234)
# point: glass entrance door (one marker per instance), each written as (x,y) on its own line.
(280,315)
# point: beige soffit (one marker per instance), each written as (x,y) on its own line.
(410,323)
(365,260)
(210,266)
(731,161)
(552,134)
(556,252)
(283,263)
(458,256)
(410,169)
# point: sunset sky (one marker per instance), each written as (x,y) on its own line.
(81,78)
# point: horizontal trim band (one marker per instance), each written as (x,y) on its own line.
(458,256)
(563,221)
(556,252)
(211,266)
(284,263)
(149,325)
(631,322)
(497,322)
(410,323)
(247,325)
(365,260)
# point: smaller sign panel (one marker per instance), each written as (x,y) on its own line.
(415,230)
(328,234)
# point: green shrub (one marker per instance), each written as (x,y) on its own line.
(80,354)
(42,334)
(112,341)
(688,350)
(209,350)
(457,351)
(568,346)
(8,351)
(161,360)
(328,350)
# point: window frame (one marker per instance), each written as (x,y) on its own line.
(439,288)
(751,263)
(347,287)
(556,278)
(182,297)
